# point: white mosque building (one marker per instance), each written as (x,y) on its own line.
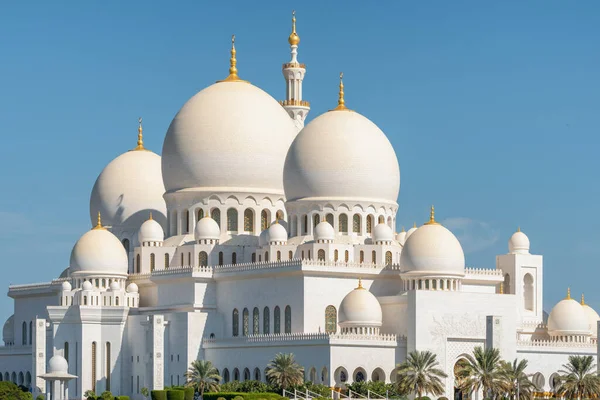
(251,236)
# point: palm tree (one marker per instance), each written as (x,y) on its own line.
(284,371)
(481,371)
(202,375)
(420,374)
(516,380)
(578,378)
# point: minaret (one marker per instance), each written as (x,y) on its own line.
(293,72)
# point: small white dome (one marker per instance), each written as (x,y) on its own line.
(207,229)
(151,231)
(518,243)
(382,233)
(568,318)
(360,308)
(410,232)
(324,231)
(98,251)
(114,286)
(66,273)
(433,249)
(132,288)
(58,364)
(592,317)
(228,136)
(342,155)
(87,285)
(127,189)
(66,286)
(401,237)
(263,238)
(8,330)
(277,233)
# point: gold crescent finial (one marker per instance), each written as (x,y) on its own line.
(360,286)
(233,72)
(294,39)
(341,101)
(432,220)
(569,293)
(150,215)
(140,141)
(582,300)
(98,222)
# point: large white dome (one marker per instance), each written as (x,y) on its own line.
(231,136)
(342,155)
(432,249)
(127,189)
(592,317)
(360,308)
(100,252)
(568,318)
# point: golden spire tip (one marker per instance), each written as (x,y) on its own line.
(414,224)
(582,300)
(569,293)
(294,39)
(341,102)
(402,229)
(233,72)
(519,229)
(360,286)
(140,141)
(98,222)
(150,215)
(432,220)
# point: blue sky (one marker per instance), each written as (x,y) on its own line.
(492,107)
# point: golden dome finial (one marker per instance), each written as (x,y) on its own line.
(294,39)
(360,286)
(98,222)
(568,293)
(414,224)
(140,141)
(402,229)
(432,220)
(582,300)
(150,218)
(207,213)
(341,102)
(233,76)
(519,229)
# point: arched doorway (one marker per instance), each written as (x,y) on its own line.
(458,393)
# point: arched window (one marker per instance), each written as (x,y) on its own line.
(203,258)
(21,378)
(381,219)
(388,258)
(152,261)
(356,223)
(66,351)
(24,334)
(346,256)
(256,374)
(264,220)
(235,323)
(253,257)
(321,255)
(245,322)
(220,258)
(278,255)
(266,256)
(291,254)
(277,320)
(362,256)
(374,257)
(304,224)
(234,258)
(30,331)
(181,259)
(167,258)
(215,213)
(248,220)
(246,374)
(288,319)
(336,255)
(369,223)
(316,220)
(236,374)
(200,214)
(107,364)
(126,246)
(507,284)
(266,321)
(27,379)
(330,319)
(279,215)
(186,221)
(528,297)
(138,263)
(255,321)
(329,218)
(93,369)
(189,259)
(232,222)
(225,375)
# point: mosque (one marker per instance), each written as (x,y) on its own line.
(249,237)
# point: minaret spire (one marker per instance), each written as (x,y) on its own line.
(294,72)
(341,102)
(140,141)
(233,72)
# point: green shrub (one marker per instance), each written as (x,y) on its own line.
(189,393)
(424,398)
(158,395)
(9,390)
(442,398)
(221,398)
(121,397)
(40,397)
(175,394)
(253,387)
(241,396)
(238,398)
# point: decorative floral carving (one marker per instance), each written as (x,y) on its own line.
(463,326)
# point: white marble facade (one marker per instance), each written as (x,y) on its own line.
(250,236)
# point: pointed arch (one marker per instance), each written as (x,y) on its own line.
(330,319)
(329,218)
(343,223)
(235,324)
(321,255)
(356,223)
(203,259)
(232,220)
(277,320)
(249,220)
(288,319)
(369,224)
(266,321)
(245,322)
(264,220)
(316,220)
